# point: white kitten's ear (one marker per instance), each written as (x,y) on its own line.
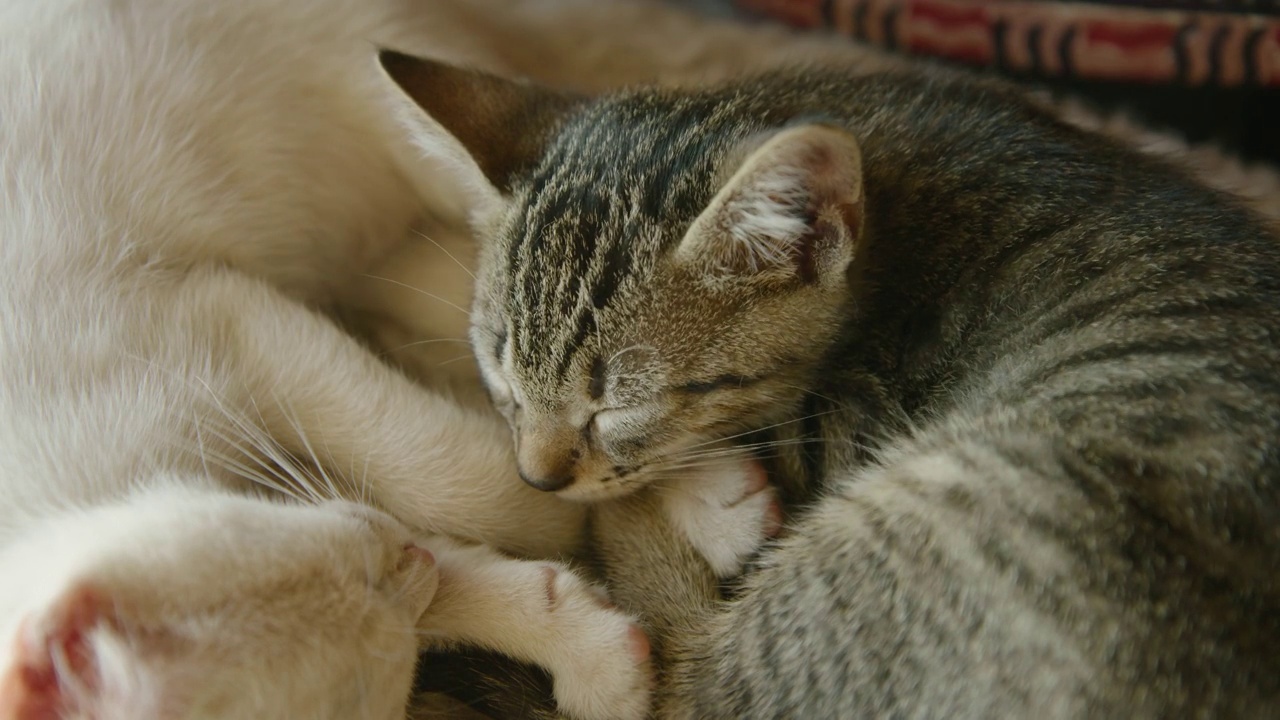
(793,209)
(77,659)
(490,127)
(70,660)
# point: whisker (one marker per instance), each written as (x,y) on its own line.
(296,425)
(815,393)
(366,487)
(420,291)
(280,455)
(201,448)
(694,464)
(258,478)
(429,342)
(762,429)
(454,360)
(734,449)
(269,474)
(444,250)
(261,460)
(237,466)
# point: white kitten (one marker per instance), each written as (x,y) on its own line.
(181,433)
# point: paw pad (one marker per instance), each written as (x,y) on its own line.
(549,577)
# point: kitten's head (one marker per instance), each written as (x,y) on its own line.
(247,609)
(659,271)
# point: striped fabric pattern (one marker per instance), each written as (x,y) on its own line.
(1186,42)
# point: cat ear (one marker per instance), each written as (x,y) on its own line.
(793,208)
(51,665)
(477,121)
(56,667)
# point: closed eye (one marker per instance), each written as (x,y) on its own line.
(613,422)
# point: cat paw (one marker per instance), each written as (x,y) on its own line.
(726,511)
(601,665)
(543,613)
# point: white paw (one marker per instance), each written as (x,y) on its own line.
(726,511)
(600,663)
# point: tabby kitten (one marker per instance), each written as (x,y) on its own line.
(1018,383)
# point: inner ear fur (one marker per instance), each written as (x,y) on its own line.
(504,125)
(792,208)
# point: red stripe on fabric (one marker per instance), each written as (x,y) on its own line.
(948,14)
(1111,42)
(1130,35)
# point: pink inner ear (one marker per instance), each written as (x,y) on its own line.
(52,654)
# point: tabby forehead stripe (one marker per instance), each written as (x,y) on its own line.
(567,250)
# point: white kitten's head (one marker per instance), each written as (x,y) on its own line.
(240,609)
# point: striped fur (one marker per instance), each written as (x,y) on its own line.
(1032,433)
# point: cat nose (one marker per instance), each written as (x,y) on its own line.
(546,455)
(547,483)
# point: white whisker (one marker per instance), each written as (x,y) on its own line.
(444,250)
(762,429)
(420,291)
(428,342)
(454,360)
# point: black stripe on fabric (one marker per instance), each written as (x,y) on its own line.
(1181,61)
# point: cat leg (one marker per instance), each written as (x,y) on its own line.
(666,548)
(542,613)
(439,465)
(183,604)
(653,570)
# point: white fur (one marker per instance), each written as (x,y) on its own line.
(755,222)
(765,220)
(178,429)
(726,511)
